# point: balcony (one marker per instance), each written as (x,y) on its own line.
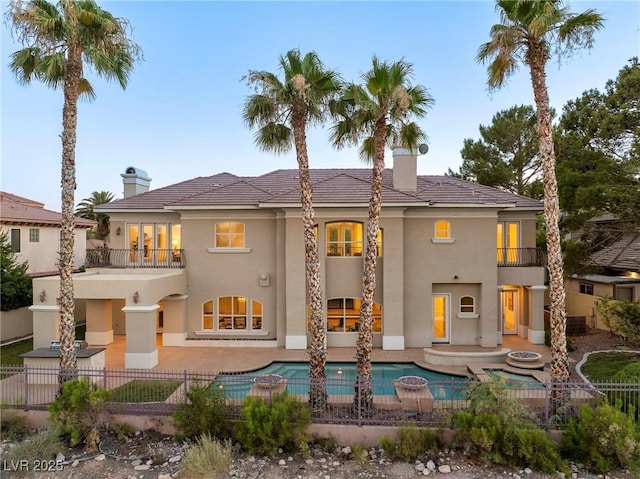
(518,257)
(134,258)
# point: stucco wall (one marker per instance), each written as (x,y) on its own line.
(15,324)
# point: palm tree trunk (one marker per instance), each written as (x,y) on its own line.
(363,391)
(559,359)
(68,362)
(318,351)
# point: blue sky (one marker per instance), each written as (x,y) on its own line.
(180,116)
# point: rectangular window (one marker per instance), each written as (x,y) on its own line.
(15,240)
(345,239)
(230,235)
(586,288)
(34,235)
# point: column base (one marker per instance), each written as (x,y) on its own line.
(296,342)
(523,331)
(393,343)
(99,338)
(536,337)
(141,360)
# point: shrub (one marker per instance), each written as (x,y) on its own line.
(263,429)
(604,437)
(499,429)
(412,443)
(208,458)
(628,400)
(13,427)
(123,431)
(42,447)
(621,317)
(79,412)
(206,411)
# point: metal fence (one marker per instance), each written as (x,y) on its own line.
(135,258)
(157,392)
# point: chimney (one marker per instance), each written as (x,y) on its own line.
(135,181)
(405,169)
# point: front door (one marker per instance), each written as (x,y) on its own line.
(509,306)
(441,318)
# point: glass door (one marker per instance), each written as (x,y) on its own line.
(440,318)
(509,306)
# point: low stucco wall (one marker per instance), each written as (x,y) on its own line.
(15,324)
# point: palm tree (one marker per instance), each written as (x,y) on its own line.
(85,209)
(375,115)
(58,40)
(281,109)
(530,32)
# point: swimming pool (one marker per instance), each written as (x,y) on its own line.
(341,377)
(514,380)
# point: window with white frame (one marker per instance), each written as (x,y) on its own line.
(344,239)
(442,232)
(34,235)
(239,313)
(586,288)
(230,234)
(467,307)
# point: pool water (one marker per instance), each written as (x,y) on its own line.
(341,378)
(516,380)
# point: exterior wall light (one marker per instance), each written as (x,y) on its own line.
(43,296)
(118,231)
(136,297)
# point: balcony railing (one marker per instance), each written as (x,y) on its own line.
(521,257)
(135,258)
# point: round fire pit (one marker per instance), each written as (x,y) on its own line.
(412,382)
(267,380)
(525,356)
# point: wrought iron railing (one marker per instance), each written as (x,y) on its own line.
(34,387)
(521,257)
(135,258)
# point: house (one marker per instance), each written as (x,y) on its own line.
(219,260)
(616,266)
(34,233)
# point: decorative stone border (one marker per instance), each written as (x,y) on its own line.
(412,383)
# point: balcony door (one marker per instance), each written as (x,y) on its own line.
(508,241)
(441,318)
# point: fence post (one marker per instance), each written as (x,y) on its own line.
(104,377)
(547,384)
(186,388)
(359,399)
(26,388)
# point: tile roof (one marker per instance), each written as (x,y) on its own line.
(623,255)
(332,185)
(17,210)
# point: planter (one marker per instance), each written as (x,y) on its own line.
(525,356)
(267,380)
(412,383)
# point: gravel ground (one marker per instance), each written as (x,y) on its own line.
(150,455)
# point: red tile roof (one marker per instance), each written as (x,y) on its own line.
(16,210)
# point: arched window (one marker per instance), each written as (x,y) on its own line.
(229,235)
(235,313)
(344,239)
(467,307)
(343,315)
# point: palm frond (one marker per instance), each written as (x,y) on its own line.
(259,110)
(274,137)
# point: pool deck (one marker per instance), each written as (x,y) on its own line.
(216,359)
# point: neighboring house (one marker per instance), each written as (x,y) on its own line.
(219,260)
(34,233)
(619,264)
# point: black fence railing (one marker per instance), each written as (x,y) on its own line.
(135,258)
(521,257)
(30,387)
